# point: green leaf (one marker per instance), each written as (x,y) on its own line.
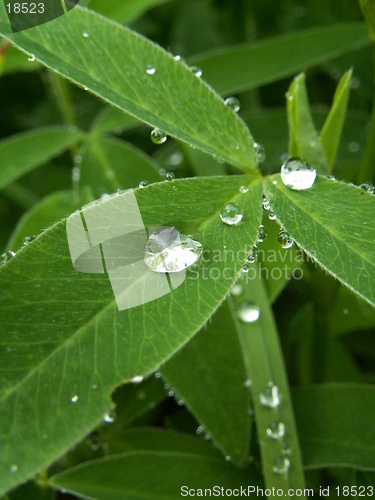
(368,10)
(105,479)
(303,137)
(245,67)
(114,120)
(22,153)
(332,129)
(113,63)
(154,439)
(335,423)
(83,345)
(124,12)
(49,210)
(109,164)
(13,60)
(202,164)
(213,362)
(265,366)
(333,223)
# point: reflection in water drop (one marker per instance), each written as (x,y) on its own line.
(297,174)
(172,249)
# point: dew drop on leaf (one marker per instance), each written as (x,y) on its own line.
(158,136)
(74,398)
(5,257)
(231,214)
(109,418)
(150,70)
(197,71)
(85,34)
(260,152)
(253,255)
(169,176)
(281,465)
(262,234)
(272,216)
(270,396)
(29,239)
(297,174)
(172,249)
(266,204)
(31,58)
(368,187)
(276,430)
(143,184)
(285,239)
(137,379)
(244,189)
(13,468)
(248,313)
(233,103)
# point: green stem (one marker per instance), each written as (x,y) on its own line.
(265,365)
(366,171)
(61,92)
(20,195)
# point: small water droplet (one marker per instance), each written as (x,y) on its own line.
(253,255)
(200,430)
(207,437)
(170,394)
(85,34)
(247,383)
(330,177)
(31,58)
(13,468)
(74,399)
(297,174)
(245,268)
(177,57)
(29,239)
(143,184)
(270,396)
(137,379)
(266,204)
(355,83)
(231,214)
(169,176)
(368,187)
(281,465)
(228,458)
(76,174)
(244,189)
(94,387)
(172,249)
(236,290)
(272,216)
(262,234)
(120,190)
(248,313)
(162,172)
(158,136)
(285,239)
(157,375)
(260,152)
(175,159)
(150,70)
(109,418)
(233,103)
(5,257)
(345,311)
(276,430)
(197,71)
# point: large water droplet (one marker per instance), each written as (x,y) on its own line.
(281,465)
(270,396)
(231,214)
(248,313)
(285,239)
(197,71)
(297,174)
(276,430)
(233,103)
(260,152)
(172,249)
(158,136)
(262,234)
